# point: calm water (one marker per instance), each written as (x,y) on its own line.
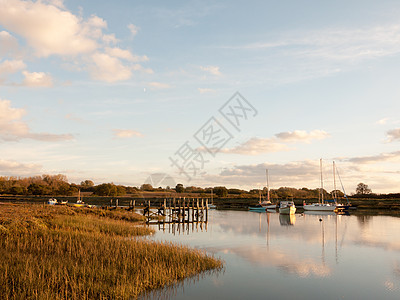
(271,256)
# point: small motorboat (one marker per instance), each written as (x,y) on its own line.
(287,208)
(52,201)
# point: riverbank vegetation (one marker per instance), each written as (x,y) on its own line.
(62,252)
(57,185)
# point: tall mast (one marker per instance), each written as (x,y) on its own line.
(322,183)
(267,186)
(334,182)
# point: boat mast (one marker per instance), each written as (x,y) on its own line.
(334,183)
(322,183)
(267,186)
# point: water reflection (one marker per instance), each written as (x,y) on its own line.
(286,220)
(300,250)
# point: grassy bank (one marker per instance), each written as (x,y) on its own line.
(61,252)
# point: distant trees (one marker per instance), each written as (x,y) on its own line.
(109,189)
(53,185)
(179,188)
(87,184)
(221,191)
(147,187)
(363,189)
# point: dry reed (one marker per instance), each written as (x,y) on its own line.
(74,253)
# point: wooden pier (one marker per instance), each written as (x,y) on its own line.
(177,211)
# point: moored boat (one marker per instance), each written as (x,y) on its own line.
(52,201)
(266,204)
(79,202)
(321,205)
(287,207)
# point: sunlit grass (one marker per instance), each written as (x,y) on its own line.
(74,253)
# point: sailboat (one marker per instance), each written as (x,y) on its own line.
(263,205)
(269,204)
(79,202)
(321,205)
(340,207)
(211,205)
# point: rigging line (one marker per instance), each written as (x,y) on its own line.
(340,179)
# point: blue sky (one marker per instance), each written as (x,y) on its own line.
(112,91)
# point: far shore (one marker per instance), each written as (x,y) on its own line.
(157,199)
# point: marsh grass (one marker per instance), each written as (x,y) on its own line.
(74,253)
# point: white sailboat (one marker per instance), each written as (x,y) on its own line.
(212,205)
(269,204)
(321,205)
(79,202)
(266,204)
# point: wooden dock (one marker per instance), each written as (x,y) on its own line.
(177,211)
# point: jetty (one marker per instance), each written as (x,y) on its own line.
(176,211)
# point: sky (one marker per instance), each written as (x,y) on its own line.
(202,93)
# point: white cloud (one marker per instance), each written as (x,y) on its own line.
(340,44)
(50,29)
(125,54)
(133,29)
(159,85)
(12,128)
(205,90)
(108,68)
(292,174)
(302,136)
(8,43)
(256,146)
(214,70)
(382,121)
(393,135)
(37,79)
(47,28)
(13,168)
(391,156)
(11,66)
(126,133)
(110,38)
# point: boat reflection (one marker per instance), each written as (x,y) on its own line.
(287,220)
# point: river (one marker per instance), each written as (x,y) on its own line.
(305,256)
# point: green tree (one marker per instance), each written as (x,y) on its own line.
(147,187)
(87,184)
(363,189)
(179,188)
(221,191)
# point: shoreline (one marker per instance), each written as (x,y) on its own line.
(70,252)
(221,203)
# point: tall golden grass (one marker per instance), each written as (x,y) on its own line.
(76,253)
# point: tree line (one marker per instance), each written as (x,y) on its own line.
(58,185)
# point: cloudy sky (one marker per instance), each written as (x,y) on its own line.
(115,91)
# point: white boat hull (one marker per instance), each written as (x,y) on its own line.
(319,207)
(290,210)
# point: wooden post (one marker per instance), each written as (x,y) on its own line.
(148,212)
(206,210)
(183,210)
(202,209)
(174,206)
(197,209)
(116,203)
(134,202)
(192,209)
